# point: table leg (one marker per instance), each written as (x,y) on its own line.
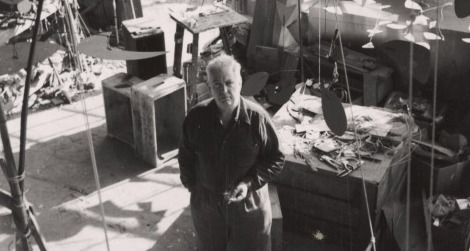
(224,31)
(179,34)
(194,70)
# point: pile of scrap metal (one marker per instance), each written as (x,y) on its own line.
(371,134)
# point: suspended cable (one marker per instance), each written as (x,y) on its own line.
(408,174)
(357,141)
(74,44)
(433,130)
(319,42)
(95,170)
(302,78)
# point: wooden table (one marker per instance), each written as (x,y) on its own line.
(325,206)
(219,16)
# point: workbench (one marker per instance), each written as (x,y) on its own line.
(326,207)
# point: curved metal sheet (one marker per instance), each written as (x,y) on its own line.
(97,46)
(254,83)
(14,57)
(462,8)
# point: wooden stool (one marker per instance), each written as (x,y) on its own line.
(222,18)
(158,112)
(117,106)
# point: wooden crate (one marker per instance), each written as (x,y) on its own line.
(158,111)
(117,105)
(144,34)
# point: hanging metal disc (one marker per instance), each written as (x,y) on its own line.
(97,46)
(14,57)
(333,112)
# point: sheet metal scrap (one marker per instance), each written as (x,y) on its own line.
(344,166)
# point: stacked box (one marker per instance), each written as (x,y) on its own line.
(144,34)
(158,111)
(117,104)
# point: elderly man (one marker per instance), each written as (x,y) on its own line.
(228,152)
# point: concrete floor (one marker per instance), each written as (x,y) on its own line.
(146,209)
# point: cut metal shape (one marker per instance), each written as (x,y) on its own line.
(98,46)
(333,112)
(462,8)
(254,83)
(13,57)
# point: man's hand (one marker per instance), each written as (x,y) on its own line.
(240,192)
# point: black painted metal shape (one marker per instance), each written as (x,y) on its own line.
(14,57)
(462,8)
(333,112)
(254,83)
(98,46)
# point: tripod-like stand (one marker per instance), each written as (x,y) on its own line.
(23,216)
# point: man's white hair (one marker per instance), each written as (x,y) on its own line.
(223,62)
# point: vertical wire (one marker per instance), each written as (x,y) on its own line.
(319,42)
(433,130)
(366,199)
(302,79)
(408,174)
(95,170)
(74,38)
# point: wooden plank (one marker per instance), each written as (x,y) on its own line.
(320,206)
(303,178)
(324,231)
(158,111)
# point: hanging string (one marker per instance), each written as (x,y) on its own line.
(95,169)
(74,45)
(319,42)
(356,138)
(408,173)
(433,130)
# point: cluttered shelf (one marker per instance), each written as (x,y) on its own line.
(321,186)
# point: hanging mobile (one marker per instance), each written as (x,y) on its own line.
(333,111)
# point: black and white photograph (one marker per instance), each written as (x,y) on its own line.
(235,125)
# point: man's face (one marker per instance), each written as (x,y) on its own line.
(225,86)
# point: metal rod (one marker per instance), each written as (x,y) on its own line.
(24,110)
(301,50)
